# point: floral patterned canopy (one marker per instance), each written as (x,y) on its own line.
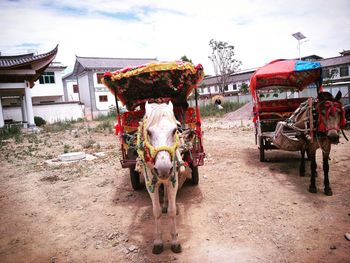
(175,80)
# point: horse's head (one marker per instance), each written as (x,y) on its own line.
(331,116)
(161,138)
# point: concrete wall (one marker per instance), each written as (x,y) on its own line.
(70,93)
(49,112)
(44,90)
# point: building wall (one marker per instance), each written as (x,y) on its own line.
(49,112)
(54,89)
(102,90)
(71,96)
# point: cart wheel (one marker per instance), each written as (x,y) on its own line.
(195,175)
(135,179)
(261,149)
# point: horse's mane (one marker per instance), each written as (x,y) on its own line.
(158,112)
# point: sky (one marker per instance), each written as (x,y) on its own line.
(260,30)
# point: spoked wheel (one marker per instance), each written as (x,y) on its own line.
(195,175)
(261,149)
(135,179)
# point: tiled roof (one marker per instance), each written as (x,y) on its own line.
(238,76)
(9,62)
(336,61)
(113,63)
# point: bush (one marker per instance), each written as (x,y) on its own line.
(39,121)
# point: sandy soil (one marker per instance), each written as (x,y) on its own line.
(241,211)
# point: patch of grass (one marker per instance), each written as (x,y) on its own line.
(212,110)
(33,138)
(58,126)
(66,148)
(105,125)
(61,125)
(89,144)
(11,132)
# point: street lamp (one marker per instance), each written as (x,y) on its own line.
(299,36)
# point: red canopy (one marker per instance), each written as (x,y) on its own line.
(294,74)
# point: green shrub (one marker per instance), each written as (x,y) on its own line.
(39,121)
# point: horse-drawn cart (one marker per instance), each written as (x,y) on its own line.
(158,82)
(273,88)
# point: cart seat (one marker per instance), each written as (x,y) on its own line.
(286,105)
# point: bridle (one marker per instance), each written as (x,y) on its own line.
(147,154)
(147,151)
(331,109)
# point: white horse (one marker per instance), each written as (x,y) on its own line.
(160,162)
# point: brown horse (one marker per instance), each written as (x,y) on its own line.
(329,120)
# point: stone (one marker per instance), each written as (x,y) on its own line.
(74,156)
(133,248)
(347,236)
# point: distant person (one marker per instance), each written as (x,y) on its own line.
(218,104)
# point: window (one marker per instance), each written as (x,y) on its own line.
(344,71)
(75,88)
(234,86)
(226,88)
(47,78)
(103,98)
(326,73)
(99,77)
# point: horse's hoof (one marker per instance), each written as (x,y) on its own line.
(176,248)
(328,192)
(313,189)
(164,210)
(302,174)
(157,249)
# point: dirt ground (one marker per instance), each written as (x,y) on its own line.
(241,211)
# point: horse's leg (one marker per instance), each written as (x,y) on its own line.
(172,191)
(302,163)
(312,187)
(165,200)
(326,151)
(157,213)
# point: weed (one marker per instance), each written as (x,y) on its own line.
(66,148)
(58,126)
(10,132)
(89,144)
(105,125)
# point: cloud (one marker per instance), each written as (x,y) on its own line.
(259,30)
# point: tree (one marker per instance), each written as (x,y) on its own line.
(244,88)
(186,59)
(224,62)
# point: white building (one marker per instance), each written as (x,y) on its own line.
(17,78)
(87,74)
(340,65)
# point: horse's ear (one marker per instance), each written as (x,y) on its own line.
(148,107)
(320,96)
(338,96)
(171,105)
